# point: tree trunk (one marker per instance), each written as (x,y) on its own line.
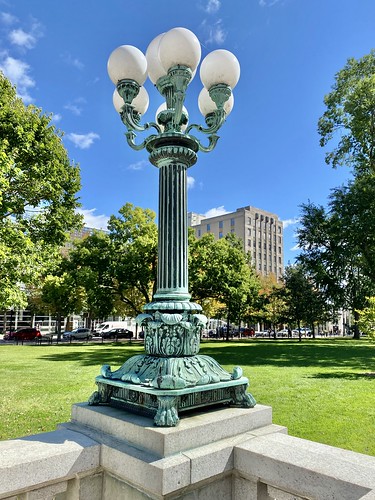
(356,334)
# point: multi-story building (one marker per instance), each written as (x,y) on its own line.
(260,231)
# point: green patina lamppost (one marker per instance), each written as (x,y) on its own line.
(172,376)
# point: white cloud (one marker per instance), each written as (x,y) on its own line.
(190,182)
(83,141)
(18,73)
(75,107)
(139,165)
(290,222)
(72,61)
(215,33)
(92,220)
(7,18)
(268,3)
(215,212)
(212,6)
(56,118)
(22,39)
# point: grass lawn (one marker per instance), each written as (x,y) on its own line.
(322,390)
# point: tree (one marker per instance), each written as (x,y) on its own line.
(38,187)
(333,257)
(274,310)
(304,302)
(350,116)
(118,268)
(220,270)
(134,237)
(62,297)
(366,320)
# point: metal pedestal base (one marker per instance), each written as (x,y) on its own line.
(165,406)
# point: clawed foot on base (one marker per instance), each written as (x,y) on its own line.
(167,415)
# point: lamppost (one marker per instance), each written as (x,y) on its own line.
(172,376)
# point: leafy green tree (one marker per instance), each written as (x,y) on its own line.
(274,310)
(38,187)
(133,234)
(220,270)
(62,297)
(332,256)
(118,268)
(304,302)
(366,319)
(349,119)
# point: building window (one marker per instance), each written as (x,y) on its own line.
(249,220)
(249,243)
(232,231)
(232,222)
(221,224)
(279,249)
(208,227)
(220,234)
(249,231)
(279,239)
(199,233)
(254,243)
(279,260)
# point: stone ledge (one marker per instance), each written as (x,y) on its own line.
(306,468)
(31,461)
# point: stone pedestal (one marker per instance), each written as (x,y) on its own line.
(140,460)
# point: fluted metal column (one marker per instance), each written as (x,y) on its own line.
(172,281)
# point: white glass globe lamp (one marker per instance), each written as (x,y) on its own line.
(127,63)
(140,102)
(154,66)
(179,46)
(220,66)
(163,107)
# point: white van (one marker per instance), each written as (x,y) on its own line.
(108,325)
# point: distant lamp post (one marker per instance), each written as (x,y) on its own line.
(171,376)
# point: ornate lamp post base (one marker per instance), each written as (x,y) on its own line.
(171,376)
(165,406)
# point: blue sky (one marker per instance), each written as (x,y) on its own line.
(268,155)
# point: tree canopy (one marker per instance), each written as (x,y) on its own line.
(349,119)
(220,270)
(38,187)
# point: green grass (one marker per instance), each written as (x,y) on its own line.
(320,389)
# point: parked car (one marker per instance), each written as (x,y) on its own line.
(78,333)
(117,333)
(282,333)
(26,333)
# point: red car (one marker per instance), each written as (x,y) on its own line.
(27,333)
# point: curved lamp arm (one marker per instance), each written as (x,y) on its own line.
(212,143)
(131,119)
(214,121)
(130,136)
